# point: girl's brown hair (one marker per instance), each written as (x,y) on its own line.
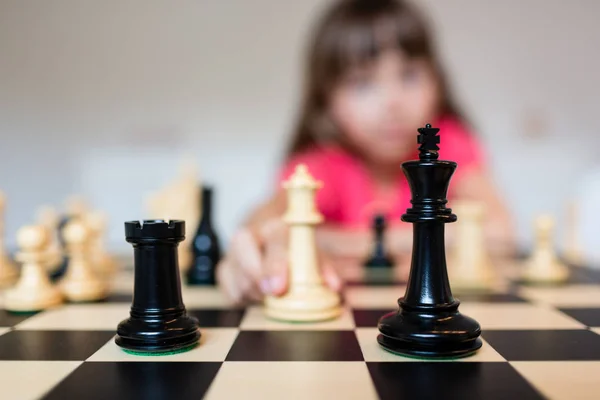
(352,32)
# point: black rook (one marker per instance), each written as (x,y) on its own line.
(158,319)
(428,323)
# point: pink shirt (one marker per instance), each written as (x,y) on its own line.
(348,197)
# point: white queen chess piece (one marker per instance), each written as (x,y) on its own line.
(308,299)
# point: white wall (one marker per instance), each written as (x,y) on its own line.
(104,98)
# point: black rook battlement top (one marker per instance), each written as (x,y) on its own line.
(155,229)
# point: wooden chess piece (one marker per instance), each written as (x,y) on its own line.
(470,265)
(80,282)
(8,270)
(158,320)
(428,323)
(104,264)
(33,291)
(308,298)
(543,266)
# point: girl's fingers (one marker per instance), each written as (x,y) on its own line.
(331,276)
(246,254)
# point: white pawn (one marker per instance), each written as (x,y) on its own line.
(49,218)
(33,291)
(104,264)
(470,266)
(543,266)
(308,298)
(8,270)
(80,282)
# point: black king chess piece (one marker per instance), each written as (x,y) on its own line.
(428,323)
(379,257)
(158,319)
(205,247)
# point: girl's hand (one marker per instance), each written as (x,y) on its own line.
(257,265)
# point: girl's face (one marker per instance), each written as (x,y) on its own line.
(378,107)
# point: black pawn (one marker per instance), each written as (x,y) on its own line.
(428,323)
(158,319)
(379,257)
(205,247)
(62,269)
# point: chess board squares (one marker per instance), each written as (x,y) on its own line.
(78,317)
(9,319)
(51,345)
(514,316)
(565,380)
(218,318)
(367,338)
(136,380)
(255,319)
(3,331)
(449,381)
(597,330)
(214,346)
(293,380)
(295,346)
(587,316)
(25,380)
(364,297)
(205,297)
(565,296)
(545,345)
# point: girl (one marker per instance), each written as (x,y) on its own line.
(372,79)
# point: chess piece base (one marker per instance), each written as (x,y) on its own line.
(83,290)
(545,271)
(38,299)
(437,332)
(312,305)
(151,332)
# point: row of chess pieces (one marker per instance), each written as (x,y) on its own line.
(470,266)
(62,259)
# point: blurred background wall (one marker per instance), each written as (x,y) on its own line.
(106,98)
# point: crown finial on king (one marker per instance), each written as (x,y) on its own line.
(429,140)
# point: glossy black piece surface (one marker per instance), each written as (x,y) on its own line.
(428,323)
(379,257)
(158,319)
(206,246)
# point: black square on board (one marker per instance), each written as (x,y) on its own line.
(368,318)
(545,345)
(52,345)
(295,346)
(137,380)
(215,318)
(8,319)
(587,316)
(449,380)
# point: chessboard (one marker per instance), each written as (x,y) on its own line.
(538,342)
